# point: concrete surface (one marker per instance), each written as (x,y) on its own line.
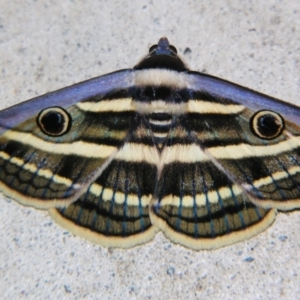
(46,45)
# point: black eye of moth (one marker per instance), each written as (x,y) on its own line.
(267,124)
(54,121)
(152,48)
(172,48)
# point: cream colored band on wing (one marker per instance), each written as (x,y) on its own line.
(119,197)
(225,192)
(46,173)
(270,179)
(192,153)
(114,105)
(192,106)
(95,237)
(183,153)
(205,107)
(200,199)
(209,243)
(139,153)
(159,77)
(245,150)
(76,148)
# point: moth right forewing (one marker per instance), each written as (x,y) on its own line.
(256,146)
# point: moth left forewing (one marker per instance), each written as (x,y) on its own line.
(53,146)
(253,139)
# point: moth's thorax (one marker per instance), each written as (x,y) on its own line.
(159,96)
(161,77)
(160,106)
(160,91)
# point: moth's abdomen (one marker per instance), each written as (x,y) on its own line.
(160,124)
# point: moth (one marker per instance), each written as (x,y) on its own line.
(117,158)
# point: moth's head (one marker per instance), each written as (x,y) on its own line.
(162,56)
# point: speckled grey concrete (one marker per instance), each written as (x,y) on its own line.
(46,45)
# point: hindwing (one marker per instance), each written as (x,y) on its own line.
(114,211)
(197,204)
